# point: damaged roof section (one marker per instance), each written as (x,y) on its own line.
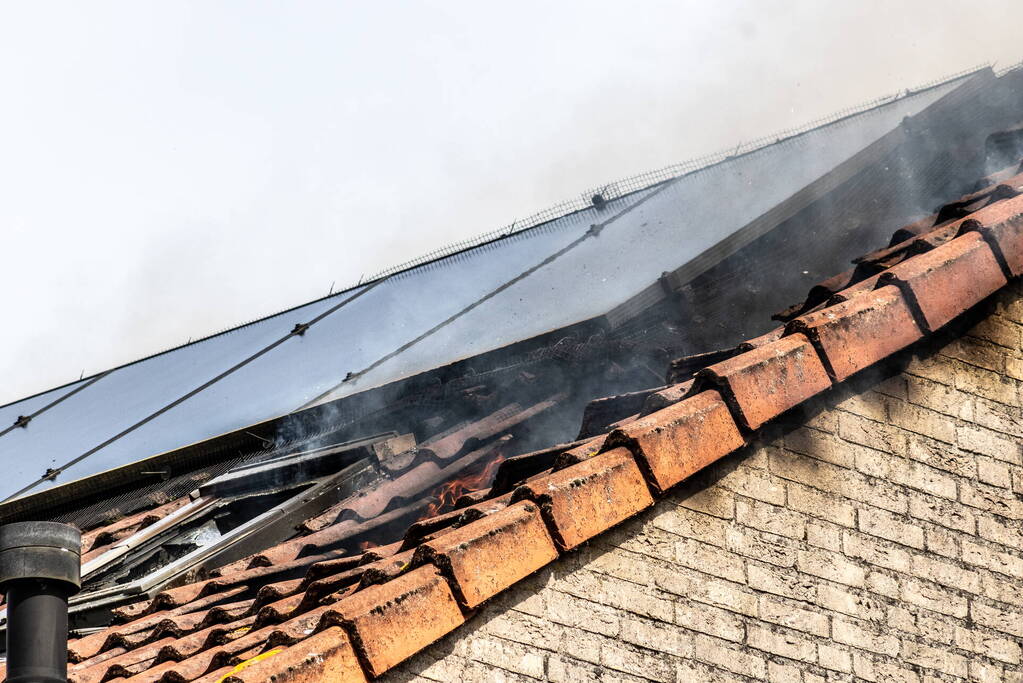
(364,608)
(486,297)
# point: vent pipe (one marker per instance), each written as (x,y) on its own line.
(40,568)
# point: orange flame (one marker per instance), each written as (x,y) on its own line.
(449,492)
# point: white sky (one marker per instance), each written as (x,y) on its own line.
(168,170)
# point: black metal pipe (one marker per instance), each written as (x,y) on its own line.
(40,568)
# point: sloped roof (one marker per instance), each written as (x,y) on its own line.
(477,299)
(292,614)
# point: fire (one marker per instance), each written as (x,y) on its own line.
(447,493)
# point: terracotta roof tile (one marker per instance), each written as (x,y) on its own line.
(681,439)
(585,499)
(393,620)
(326,656)
(765,382)
(943,283)
(479,559)
(857,333)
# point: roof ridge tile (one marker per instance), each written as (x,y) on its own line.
(589,497)
(477,558)
(858,332)
(760,384)
(676,441)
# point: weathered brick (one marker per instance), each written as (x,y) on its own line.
(761,547)
(976,351)
(882,582)
(934,658)
(707,558)
(714,501)
(837,480)
(994,473)
(946,573)
(834,658)
(947,513)
(830,566)
(876,552)
(881,669)
(983,672)
(756,484)
(617,593)
(646,633)
(859,605)
(820,445)
(824,535)
(730,658)
(864,638)
(507,655)
(696,671)
(920,420)
(908,473)
(710,620)
(981,440)
(985,383)
(819,504)
(788,614)
(997,561)
(942,456)
(934,598)
(885,525)
(775,520)
(780,582)
(876,435)
(699,587)
(940,397)
(783,673)
(942,542)
(989,645)
(991,499)
(998,417)
(570,610)
(998,330)
(690,524)
(1001,531)
(783,643)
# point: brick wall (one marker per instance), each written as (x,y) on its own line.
(877,535)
